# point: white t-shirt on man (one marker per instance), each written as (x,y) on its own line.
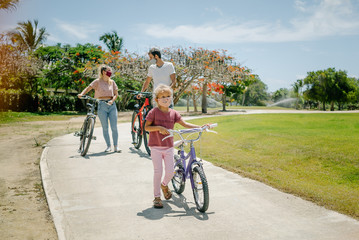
(161,75)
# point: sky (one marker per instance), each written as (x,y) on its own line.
(279,40)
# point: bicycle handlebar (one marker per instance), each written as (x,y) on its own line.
(146,94)
(191,130)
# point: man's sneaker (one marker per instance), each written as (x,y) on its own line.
(117,149)
(157,203)
(166,191)
(108,149)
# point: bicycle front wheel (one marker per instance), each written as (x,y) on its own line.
(136,130)
(200,189)
(86,137)
(146,138)
(178,180)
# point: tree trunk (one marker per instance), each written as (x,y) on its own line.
(187,102)
(194,102)
(224,102)
(323,106)
(243,99)
(204,98)
(332,106)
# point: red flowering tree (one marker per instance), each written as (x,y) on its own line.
(212,68)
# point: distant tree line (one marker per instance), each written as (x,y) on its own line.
(36,77)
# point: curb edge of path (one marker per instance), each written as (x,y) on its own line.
(52,199)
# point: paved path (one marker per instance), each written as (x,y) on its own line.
(109,196)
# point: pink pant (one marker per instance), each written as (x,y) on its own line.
(158,154)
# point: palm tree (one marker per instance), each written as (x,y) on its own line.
(112,41)
(28,36)
(8,4)
(297,89)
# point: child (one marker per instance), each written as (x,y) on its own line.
(158,120)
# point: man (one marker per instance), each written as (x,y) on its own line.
(161,72)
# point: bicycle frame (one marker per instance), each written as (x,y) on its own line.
(192,160)
(142,113)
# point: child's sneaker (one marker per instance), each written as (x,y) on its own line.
(166,192)
(157,203)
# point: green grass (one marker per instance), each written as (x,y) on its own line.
(10,117)
(315,156)
(183,109)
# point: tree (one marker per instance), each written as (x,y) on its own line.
(28,36)
(256,93)
(329,86)
(65,66)
(18,77)
(8,4)
(297,89)
(208,66)
(112,41)
(280,94)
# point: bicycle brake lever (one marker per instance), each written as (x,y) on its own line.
(211,131)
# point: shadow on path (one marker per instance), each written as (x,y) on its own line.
(167,211)
(88,156)
(139,152)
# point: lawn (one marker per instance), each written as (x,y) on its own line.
(9,117)
(314,156)
(216,109)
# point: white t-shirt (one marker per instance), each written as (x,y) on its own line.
(161,75)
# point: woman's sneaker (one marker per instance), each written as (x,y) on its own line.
(108,149)
(157,203)
(117,149)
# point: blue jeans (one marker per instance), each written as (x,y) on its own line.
(105,113)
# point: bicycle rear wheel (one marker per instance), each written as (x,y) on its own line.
(178,180)
(146,138)
(200,189)
(136,130)
(86,137)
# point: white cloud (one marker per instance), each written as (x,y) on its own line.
(215,10)
(300,5)
(328,18)
(80,31)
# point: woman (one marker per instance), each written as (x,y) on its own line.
(106,91)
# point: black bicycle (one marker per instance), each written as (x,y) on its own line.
(139,119)
(86,132)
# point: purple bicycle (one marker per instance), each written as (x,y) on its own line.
(194,168)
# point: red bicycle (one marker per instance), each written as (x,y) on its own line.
(139,119)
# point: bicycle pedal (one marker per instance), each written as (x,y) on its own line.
(76,134)
(94,137)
